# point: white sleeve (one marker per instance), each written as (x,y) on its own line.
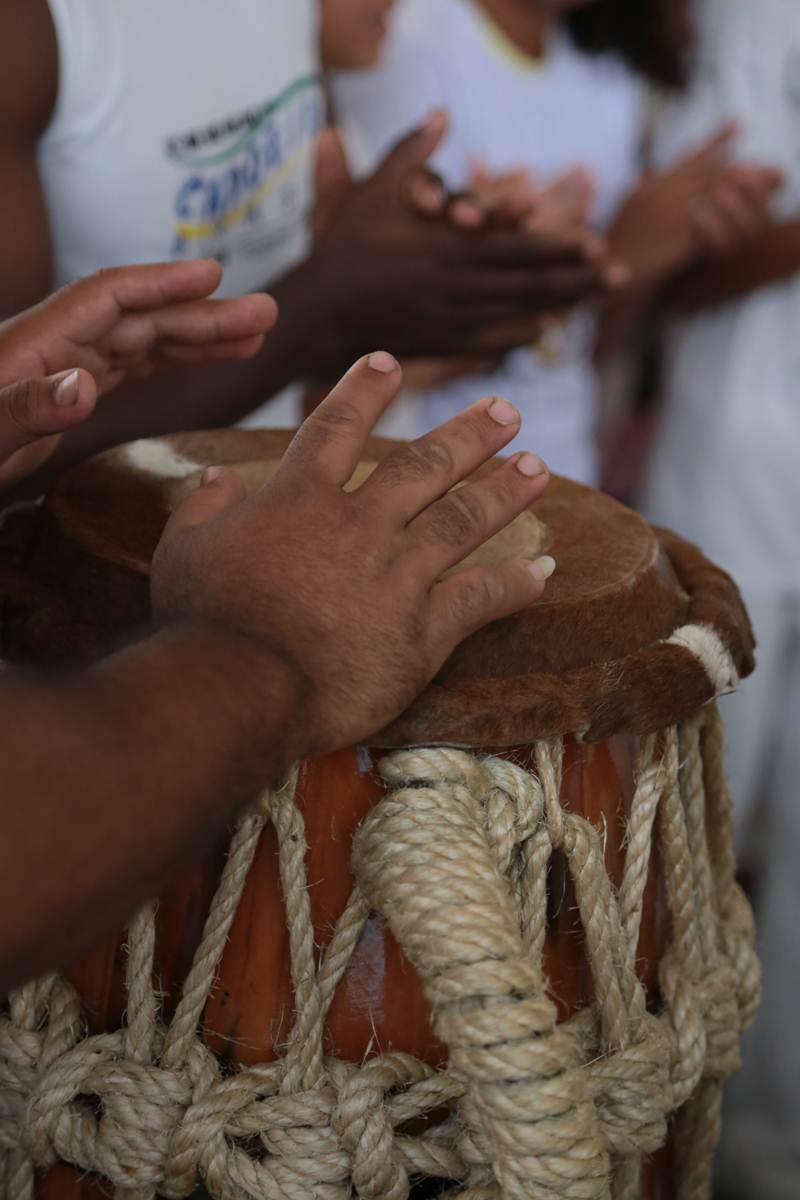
(375,109)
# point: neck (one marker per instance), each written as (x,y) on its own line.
(526,25)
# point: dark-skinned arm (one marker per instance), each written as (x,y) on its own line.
(117,778)
(28,88)
(770,257)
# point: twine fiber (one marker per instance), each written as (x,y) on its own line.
(455,857)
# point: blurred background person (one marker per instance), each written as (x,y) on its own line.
(548,104)
(123,139)
(732,395)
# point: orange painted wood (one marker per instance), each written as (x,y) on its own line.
(380,1004)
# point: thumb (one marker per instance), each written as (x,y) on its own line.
(220,489)
(716,146)
(37,408)
(470,599)
(415,149)
(332,176)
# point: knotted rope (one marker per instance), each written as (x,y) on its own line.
(456,859)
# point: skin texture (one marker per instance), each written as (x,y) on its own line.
(705,205)
(151,753)
(353,32)
(59,357)
(451,288)
(360,567)
(768,257)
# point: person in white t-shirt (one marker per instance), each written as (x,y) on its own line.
(524,89)
(732,397)
(139,130)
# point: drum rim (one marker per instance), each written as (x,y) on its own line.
(649,676)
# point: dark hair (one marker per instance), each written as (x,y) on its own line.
(646,33)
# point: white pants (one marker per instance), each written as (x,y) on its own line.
(760,1152)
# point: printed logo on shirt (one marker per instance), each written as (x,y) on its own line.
(248,175)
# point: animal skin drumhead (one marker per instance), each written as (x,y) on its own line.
(525,537)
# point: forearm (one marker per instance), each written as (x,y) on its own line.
(769,258)
(117,778)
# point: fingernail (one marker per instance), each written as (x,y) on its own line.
(503,413)
(543,568)
(67,391)
(618,274)
(530,465)
(210,475)
(382,362)
(430,199)
(467,213)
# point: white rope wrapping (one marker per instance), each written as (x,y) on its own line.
(455,857)
(705,644)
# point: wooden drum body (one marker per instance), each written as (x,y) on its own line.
(500,945)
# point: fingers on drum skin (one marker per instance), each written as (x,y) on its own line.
(465,603)
(460,522)
(220,489)
(415,475)
(329,444)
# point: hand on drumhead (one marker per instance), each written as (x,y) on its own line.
(344,587)
(123,323)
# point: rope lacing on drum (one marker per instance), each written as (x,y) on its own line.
(456,859)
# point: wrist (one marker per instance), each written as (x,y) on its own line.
(244,699)
(262,688)
(648,265)
(310,321)
(313,317)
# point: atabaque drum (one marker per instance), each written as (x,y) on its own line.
(497,952)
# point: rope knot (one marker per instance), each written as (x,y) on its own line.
(632,1091)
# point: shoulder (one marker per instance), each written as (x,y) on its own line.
(418,36)
(29,79)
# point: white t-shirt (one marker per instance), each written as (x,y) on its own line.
(509,112)
(726,470)
(183,129)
